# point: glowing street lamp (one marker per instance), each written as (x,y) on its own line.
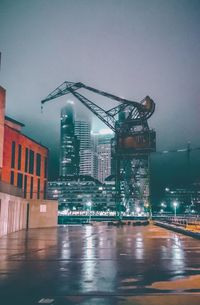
(138,210)
(163,205)
(175,204)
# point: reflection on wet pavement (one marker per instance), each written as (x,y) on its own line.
(192,283)
(99,265)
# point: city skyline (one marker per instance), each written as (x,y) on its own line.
(85,163)
(83,151)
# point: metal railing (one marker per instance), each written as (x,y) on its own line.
(188,222)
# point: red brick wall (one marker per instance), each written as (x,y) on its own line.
(11,135)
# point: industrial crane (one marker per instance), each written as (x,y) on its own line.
(132,144)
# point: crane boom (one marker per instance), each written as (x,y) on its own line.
(66,87)
(69,87)
(108,119)
(138,112)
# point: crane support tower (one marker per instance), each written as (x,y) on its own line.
(131,147)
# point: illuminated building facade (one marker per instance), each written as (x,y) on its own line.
(69,145)
(75,194)
(83,134)
(188,199)
(102,154)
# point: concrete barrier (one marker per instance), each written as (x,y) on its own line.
(178,229)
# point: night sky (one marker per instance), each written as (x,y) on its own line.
(129,48)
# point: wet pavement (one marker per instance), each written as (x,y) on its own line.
(99,264)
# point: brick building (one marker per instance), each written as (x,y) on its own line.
(24,162)
(23,178)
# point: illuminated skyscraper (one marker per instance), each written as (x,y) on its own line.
(69,148)
(102,154)
(83,133)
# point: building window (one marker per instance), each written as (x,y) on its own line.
(25,185)
(38,189)
(12,177)
(31,188)
(19,180)
(26,160)
(13,155)
(38,164)
(31,162)
(45,167)
(19,156)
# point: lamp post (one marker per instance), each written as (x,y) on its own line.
(147,209)
(163,207)
(175,204)
(89,205)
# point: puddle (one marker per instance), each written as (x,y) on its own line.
(190,282)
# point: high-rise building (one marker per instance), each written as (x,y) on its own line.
(69,144)
(83,133)
(102,154)
(95,137)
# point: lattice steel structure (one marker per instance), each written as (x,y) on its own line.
(131,146)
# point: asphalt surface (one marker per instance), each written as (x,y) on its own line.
(99,264)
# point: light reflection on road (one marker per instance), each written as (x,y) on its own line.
(99,260)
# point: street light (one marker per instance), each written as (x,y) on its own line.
(138,210)
(163,205)
(175,204)
(89,205)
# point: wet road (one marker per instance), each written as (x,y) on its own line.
(99,265)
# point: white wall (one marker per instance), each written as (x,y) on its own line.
(13,213)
